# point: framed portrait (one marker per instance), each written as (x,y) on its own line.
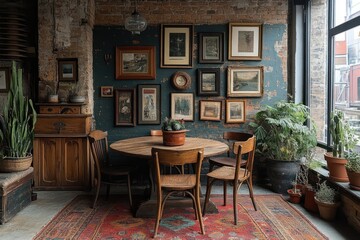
(176,46)
(210,110)
(135,62)
(245,81)
(235,111)
(208,82)
(245,41)
(182,106)
(125,107)
(106,91)
(211,47)
(67,69)
(149,104)
(4,79)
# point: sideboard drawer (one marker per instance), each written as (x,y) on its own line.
(63,124)
(60,109)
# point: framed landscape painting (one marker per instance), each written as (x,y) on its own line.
(135,62)
(182,106)
(208,83)
(125,107)
(67,69)
(210,110)
(235,111)
(176,46)
(211,47)
(245,41)
(244,81)
(149,109)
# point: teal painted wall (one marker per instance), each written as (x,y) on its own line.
(106,39)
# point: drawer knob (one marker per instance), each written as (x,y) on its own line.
(59,125)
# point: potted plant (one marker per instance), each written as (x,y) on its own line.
(174,132)
(17,130)
(326,199)
(75,93)
(353,169)
(52,89)
(295,193)
(283,138)
(343,139)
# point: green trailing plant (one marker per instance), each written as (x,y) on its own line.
(326,194)
(342,135)
(19,118)
(281,131)
(353,163)
(173,125)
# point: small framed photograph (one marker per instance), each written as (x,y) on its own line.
(208,83)
(235,111)
(245,81)
(135,62)
(211,47)
(245,41)
(182,106)
(106,91)
(176,46)
(67,69)
(4,79)
(210,110)
(149,109)
(125,107)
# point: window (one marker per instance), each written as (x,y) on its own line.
(333,62)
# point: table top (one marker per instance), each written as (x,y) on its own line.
(141,146)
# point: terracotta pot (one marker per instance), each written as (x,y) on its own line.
(309,202)
(11,164)
(295,197)
(327,210)
(354,179)
(336,166)
(174,138)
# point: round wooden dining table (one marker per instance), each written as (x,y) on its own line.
(140,147)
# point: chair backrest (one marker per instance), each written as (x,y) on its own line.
(231,137)
(156,132)
(242,148)
(99,147)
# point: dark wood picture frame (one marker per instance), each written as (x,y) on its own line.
(210,110)
(176,45)
(182,106)
(211,47)
(125,105)
(235,111)
(149,104)
(106,91)
(245,41)
(208,82)
(135,62)
(245,81)
(67,69)
(4,79)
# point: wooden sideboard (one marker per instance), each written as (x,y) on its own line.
(61,148)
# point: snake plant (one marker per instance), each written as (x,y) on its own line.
(19,118)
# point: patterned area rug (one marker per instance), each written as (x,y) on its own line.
(112,219)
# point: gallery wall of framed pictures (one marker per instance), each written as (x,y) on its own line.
(191,74)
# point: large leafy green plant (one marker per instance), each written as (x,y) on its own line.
(281,131)
(19,115)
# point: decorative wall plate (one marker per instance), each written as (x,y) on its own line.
(181,80)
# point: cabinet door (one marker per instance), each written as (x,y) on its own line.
(47,153)
(74,162)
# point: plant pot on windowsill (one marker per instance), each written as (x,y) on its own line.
(336,166)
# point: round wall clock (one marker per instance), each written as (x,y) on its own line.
(181,80)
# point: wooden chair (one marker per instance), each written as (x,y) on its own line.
(173,183)
(104,172)
(235,175)
(157,132)
(229,160)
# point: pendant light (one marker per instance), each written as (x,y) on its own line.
(135,23)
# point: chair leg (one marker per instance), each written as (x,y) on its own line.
(194,204)
(158,213)
(97,192)
(129,190)
(207,195)
(225,191)
(250,186)
(198,207)
(235,202)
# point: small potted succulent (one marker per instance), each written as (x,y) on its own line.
(174,132)
(295,193)
(353,169)
(327,201)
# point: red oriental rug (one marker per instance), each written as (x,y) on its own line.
(275,219)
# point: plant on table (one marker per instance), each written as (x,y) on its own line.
(174,132)
(173,125)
